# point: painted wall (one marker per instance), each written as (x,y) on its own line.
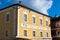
(4,25)
(22,25)
(30,26)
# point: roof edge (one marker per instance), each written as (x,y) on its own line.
(25,7)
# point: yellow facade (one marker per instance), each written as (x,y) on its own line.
(37,24)
(4,25)
(17,25)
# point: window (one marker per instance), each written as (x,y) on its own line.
(7,16)
(25,17)
(46,23)
(33,19)
(47,34)
(57,24)
(34,33)
(58,33)
(41,21)
(25,32)
(41,34)
(6,33)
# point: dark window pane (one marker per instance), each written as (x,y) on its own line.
(6,33)
(7,17)
(46,23)
(25,17)
(47,34)
(41,34)
(25,32)
(41,21)
(33,19)
(34,33)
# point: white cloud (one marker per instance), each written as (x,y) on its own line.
(42,5)
(39,5)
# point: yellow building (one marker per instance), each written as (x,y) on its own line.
(18,22)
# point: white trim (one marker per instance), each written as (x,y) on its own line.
(25,29)
(18,7)
(35,27)
(46,19)
(33,30)
(31,37)
(25,12)
(33,16)
(18,24)
(40,18)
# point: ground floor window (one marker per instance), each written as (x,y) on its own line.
(25,32)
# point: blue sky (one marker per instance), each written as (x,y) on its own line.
(55,8)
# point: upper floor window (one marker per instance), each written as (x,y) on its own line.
(25,17)
(41,35)
(47,34)
(58,33)
(34,33)
(25,32)
(46,23)
(7,16)
(41,21)
(33,19)
(57,24)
